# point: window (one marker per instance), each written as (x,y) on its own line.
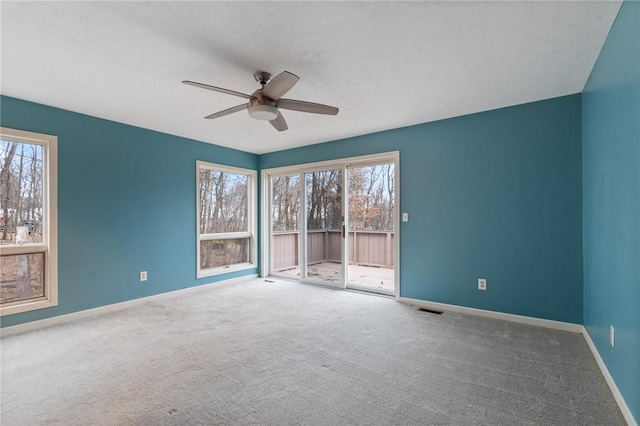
(28,221)
(226,217)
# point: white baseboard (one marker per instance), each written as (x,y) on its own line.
(73,316)
(558,325)
(624,408)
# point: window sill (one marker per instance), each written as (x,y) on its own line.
(225,270)
(27,306)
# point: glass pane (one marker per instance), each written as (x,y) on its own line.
(286,203)
(324,225)
(371,227)
(371,197)
(224,205)
(21,277)
(217,253)
(285,192)
(21,193)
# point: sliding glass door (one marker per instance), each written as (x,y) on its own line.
(285,225)
(335,225)
(324,220)
(371,225)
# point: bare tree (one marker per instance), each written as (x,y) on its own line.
(5,175)
(371,199)
(371,192)
(22,209)
(223,208)
(324,199)
(286,203)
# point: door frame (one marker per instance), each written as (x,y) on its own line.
(300,169)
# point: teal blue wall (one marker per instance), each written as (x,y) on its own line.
(125,204)
(495,195)
(611,183)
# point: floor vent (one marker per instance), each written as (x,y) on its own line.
(269,281)
(431,311)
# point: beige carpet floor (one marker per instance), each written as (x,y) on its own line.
(282,353)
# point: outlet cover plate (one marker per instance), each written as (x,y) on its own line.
(482,283)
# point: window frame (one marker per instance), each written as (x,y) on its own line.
(49,244)
(252,222)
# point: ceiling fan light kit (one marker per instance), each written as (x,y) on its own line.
(263,112)
(263,104)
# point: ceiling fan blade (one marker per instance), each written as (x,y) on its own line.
(227,111)
(304,106)
(217,89)
(279,123)
(279,85)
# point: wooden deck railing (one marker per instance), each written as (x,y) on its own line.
(368,248)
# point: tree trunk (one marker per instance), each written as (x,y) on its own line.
(4,187)
(18,199)
(23,282)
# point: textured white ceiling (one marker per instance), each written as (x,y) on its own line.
(384,64)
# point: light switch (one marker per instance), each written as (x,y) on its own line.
(405,217)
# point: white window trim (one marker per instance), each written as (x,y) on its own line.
(49,245)
(252,206)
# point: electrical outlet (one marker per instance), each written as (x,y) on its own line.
(482,284)
(612,336)
(143,276)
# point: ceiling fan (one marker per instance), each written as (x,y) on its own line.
(265,103)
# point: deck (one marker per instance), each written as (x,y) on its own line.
(375,278)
